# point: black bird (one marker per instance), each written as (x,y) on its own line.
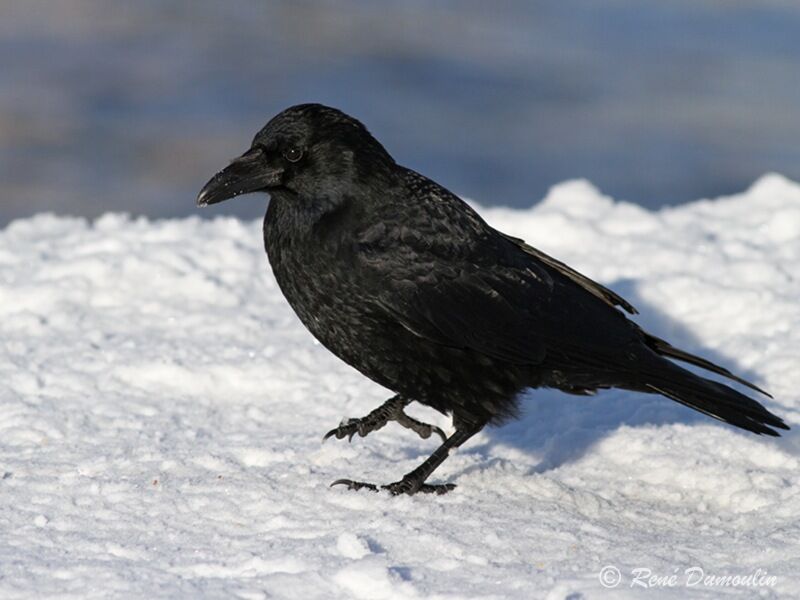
(405,282)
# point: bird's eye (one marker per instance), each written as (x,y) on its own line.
(293,154)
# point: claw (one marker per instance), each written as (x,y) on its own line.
(345,428)
(438,431)
(355,485)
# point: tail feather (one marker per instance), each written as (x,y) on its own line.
(664,348)
(712,398)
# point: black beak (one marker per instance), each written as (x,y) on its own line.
(248,173)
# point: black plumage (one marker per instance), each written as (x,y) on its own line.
(405,282)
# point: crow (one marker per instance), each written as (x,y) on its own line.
(404,281)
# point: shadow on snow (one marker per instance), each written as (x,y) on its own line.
(560,428)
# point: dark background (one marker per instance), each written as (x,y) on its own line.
(132,106)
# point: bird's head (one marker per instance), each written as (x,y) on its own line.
(309,150)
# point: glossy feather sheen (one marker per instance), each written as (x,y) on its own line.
(405,282)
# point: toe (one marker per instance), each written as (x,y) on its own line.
(439,432)
(355,485)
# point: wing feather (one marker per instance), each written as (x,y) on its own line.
(488,312)
(608,296)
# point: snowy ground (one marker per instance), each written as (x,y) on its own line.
(161,411)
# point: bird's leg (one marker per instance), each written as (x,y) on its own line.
(414,482)
(391,410)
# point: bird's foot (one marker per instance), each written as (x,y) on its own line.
(411,486)
(404,486)
(391,410)
(423,430)
(349,427)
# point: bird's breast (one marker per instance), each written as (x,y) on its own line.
(318,276)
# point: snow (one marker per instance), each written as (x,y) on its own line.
(161,411)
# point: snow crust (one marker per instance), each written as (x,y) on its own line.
(161,411)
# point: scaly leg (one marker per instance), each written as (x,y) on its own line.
(414,482)
(391,410)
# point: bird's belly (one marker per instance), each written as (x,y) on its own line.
(468,384)
(328,306)
(358,338)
